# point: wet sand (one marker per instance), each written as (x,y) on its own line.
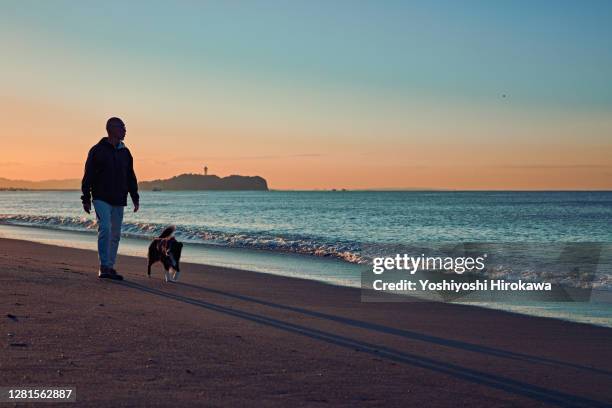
(225,337)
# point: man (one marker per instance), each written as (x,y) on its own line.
(109,177)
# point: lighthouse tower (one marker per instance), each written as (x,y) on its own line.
(206,170)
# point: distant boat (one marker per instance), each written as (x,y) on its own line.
(156,189)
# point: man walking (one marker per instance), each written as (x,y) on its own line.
(109,177)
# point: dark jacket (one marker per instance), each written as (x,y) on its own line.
(109,174)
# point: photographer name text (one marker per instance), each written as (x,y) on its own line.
(405,285)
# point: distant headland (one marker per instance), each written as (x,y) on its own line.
(206,182)
(180,182)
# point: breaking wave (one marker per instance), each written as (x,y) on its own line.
(346,251)
(532,265)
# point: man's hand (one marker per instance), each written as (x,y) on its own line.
(87,207)
(136,207)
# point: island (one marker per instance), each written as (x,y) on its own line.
(181,182)
(206,182)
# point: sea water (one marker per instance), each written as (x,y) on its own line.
(332,236)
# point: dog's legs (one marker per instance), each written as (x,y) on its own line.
(176,276)
(149,269)
(167,276)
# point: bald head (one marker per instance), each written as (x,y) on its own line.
(114,122)
(115,128)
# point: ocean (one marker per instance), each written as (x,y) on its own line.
(332,236)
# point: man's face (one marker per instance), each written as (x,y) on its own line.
(117,130)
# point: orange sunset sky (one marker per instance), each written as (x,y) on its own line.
(313,95)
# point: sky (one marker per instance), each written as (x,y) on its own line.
(464,95)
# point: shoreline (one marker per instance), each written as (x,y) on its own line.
(308,267)
(277,263)
(128,235)
(224,336)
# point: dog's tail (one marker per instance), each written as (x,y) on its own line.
(168,231)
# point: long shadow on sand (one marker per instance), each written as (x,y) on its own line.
(405,333)
(468,374)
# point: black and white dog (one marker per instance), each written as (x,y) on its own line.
(167,250)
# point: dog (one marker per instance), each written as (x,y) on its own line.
(167,250)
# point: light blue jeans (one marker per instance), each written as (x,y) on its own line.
(110,218)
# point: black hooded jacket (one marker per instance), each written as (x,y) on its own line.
(109,174)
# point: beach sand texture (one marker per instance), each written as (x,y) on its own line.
(226,337)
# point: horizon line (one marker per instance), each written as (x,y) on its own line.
(374,190)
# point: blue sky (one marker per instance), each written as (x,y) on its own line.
(335,72)
(551,52)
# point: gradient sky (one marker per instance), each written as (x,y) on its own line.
(308,94)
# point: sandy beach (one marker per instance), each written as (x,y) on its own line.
(226,337)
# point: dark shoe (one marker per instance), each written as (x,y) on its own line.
(114,275)
(103,273)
